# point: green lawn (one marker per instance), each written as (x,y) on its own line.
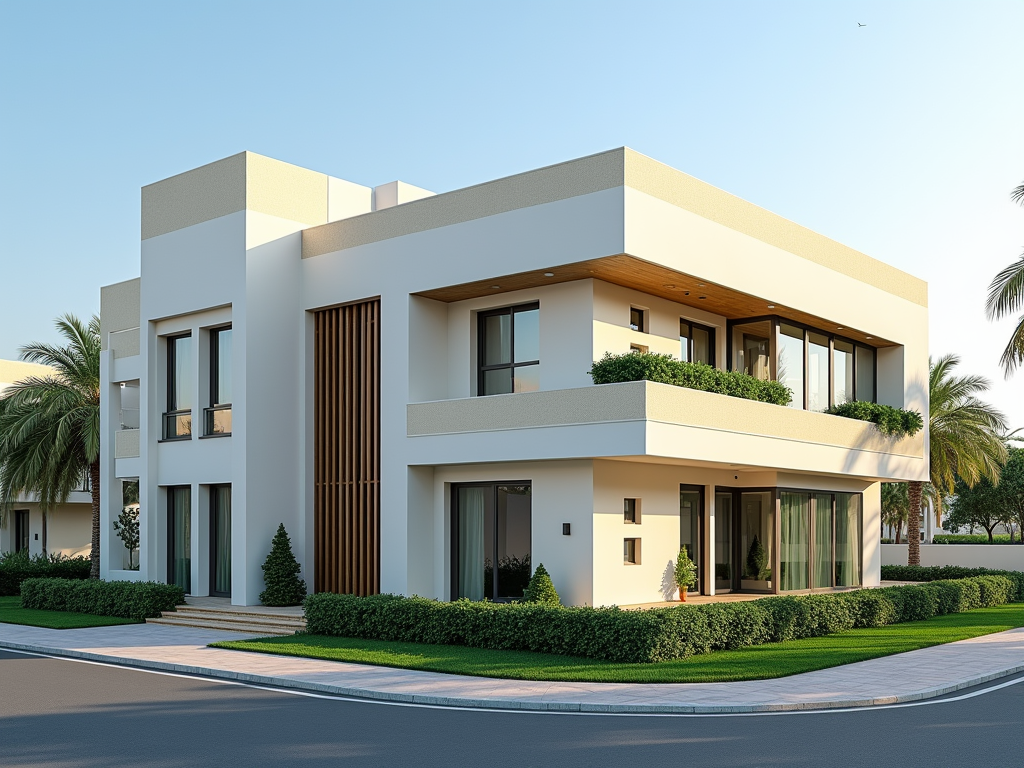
(11,612)
(755,663)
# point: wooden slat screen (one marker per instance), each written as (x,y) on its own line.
(347,449)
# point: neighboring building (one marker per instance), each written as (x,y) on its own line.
(401,379)
(67,528)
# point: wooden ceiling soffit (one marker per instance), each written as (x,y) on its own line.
(631,272)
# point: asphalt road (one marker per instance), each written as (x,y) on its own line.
(63,713)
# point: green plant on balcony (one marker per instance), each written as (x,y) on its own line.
(893,422)
(665,369)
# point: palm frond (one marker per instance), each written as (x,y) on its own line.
(1006,291)
(1018,194)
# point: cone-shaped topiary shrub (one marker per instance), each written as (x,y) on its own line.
(281,573)
(541,589)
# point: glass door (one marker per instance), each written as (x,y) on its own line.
(691,519)
(725,569)
(491,541)
(756,532)
(179,537)
(794,540)
(821,563)
(220,541)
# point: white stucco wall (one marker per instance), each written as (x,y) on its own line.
(1008,557)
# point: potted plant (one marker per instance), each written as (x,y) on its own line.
(685,574)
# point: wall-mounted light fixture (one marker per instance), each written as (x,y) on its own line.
(565,529)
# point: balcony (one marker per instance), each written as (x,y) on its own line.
(643,418)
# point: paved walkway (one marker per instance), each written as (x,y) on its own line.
(905,677)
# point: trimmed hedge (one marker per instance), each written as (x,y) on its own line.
(972,538)
(665,369)
(644,636)
(894,422)
(15,568)
(126,599)
(932,573)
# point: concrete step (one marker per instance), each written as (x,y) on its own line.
(195,614)
(262,630)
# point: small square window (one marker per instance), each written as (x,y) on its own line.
(637,348)
(631,551)
(630,511)
(636,320)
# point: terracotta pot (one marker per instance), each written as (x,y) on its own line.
(682,594)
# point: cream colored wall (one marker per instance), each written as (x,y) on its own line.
(611,322)
(68,529)
(562,492)
(565,335)
(13,371)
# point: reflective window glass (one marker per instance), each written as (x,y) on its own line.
(702,346)
(866,374)
(497,339)
(791,362)
(842,363)
(817,372)
(180,397)
(684,341)
(526,332)
(222,365)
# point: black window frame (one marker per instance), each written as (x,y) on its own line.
(640,327)
(173,412)
(210,412)
(712,340)
(213,500)
(511,311)
(775,321)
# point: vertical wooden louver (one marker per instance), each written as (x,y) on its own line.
(347,449)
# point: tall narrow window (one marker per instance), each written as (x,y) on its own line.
(179,537)
(848,540)
(220,540)
(865,374)
(696,343)
(178,418)
(636,320)
(753,349)
(817,372)
(842,363)
(509,350)
(21,529)
(794,540)
(218,414)
(791,362)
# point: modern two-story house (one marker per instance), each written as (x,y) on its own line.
(401,378)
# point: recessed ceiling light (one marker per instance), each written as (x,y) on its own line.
(669,285)
(771,306)
(840,328)
(702,297)
(495,286)
(549,274)
(700,285)
(869,337)
(686,293)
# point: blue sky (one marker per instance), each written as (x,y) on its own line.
(902,138)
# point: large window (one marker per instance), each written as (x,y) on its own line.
(220,540)
(696,343)
(509,350)
(218,414)
(178,418)
(820,540)
(821,369)
(491,541)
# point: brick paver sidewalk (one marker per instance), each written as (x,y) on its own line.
(904,677)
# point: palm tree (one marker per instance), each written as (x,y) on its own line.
(50,426)
(896,505)
(1006,295)
(966,437)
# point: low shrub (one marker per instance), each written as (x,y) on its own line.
(125,599)
(928,573)
(972,538)
(657,634)
(541,589)
(665,369)
(894,422)
(16,567)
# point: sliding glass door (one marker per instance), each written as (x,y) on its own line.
(724,543)
(848,540)
(491,541)
(179,537)
(220,540)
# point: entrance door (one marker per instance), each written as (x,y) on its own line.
(491,541)
(21,529)
(691,528)
(220,540)
(179,537)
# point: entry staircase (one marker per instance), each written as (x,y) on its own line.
(218,613)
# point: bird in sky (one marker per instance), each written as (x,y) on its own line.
(861,25)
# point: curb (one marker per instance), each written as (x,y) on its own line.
(507,704)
